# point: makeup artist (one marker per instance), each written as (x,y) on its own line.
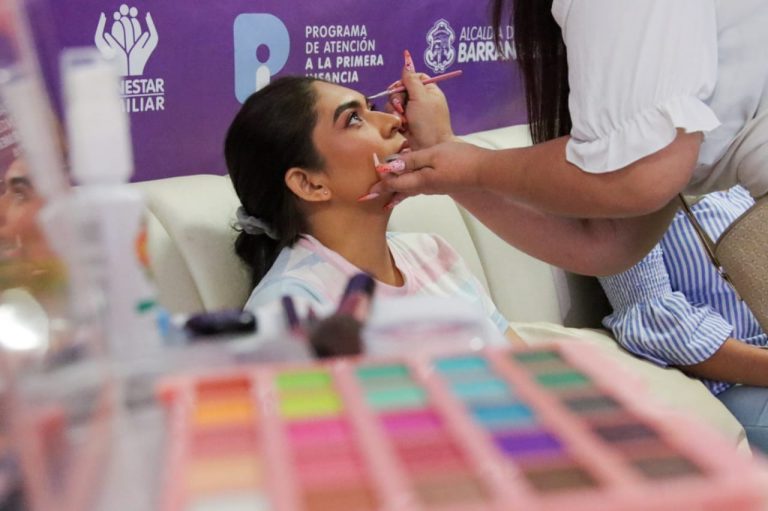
(629,103)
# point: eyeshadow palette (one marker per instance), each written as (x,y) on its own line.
(556,427)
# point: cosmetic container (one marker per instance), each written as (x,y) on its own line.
(105,215)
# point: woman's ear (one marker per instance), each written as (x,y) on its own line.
(308,186)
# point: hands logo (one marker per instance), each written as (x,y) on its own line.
(262,46)
(440,54)
(127,41)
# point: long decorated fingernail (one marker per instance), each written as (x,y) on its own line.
(368,196)
(409,61)
(393,167)
(376,161)
(398,104)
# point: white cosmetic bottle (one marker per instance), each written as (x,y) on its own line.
(106,213)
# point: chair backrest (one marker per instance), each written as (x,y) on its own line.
(524,288)
(191,243)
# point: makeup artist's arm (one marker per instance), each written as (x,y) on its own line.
(534,199)
(541,177)
(586,246)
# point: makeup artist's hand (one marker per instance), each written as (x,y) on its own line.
(424,108)
(429,119)
(446,168)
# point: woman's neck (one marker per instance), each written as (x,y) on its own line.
(359,238)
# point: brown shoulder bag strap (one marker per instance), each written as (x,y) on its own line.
(706,242)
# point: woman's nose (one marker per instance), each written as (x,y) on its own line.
(389,124)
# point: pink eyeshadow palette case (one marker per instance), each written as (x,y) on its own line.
(556,427)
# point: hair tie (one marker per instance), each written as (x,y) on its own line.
(254,226)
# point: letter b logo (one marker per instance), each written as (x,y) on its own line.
(262,45)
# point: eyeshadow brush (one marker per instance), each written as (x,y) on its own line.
(340,333)
(434,79)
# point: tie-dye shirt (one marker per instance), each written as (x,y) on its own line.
(311,272)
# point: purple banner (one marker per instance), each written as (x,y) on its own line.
(186,68)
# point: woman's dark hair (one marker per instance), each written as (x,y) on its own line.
(541,56)
(270,134)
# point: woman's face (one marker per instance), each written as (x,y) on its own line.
(347,134)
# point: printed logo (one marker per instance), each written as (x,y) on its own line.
(440,54)
(262,46)
(127,41)
(130,44)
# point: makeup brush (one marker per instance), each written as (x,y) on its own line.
(336,336)
(434,79)
(339,334)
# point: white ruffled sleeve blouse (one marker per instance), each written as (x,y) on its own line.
(638,70)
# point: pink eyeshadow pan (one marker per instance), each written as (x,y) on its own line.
(312,432)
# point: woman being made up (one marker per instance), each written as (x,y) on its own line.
(300,152)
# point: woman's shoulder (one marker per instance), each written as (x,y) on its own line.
(426,250)
(424,242)
(293,258)
(272,289)
(297,271)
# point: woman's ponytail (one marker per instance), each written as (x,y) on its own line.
(271,133)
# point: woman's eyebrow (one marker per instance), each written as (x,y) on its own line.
(345,106)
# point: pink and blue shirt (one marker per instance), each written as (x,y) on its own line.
(311,272)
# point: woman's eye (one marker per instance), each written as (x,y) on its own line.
(354,119)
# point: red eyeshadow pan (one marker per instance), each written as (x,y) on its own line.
(217,388)
(429,452)
(314,432)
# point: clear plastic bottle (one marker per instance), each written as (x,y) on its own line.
(106,213)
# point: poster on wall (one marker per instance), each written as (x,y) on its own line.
(187,68)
